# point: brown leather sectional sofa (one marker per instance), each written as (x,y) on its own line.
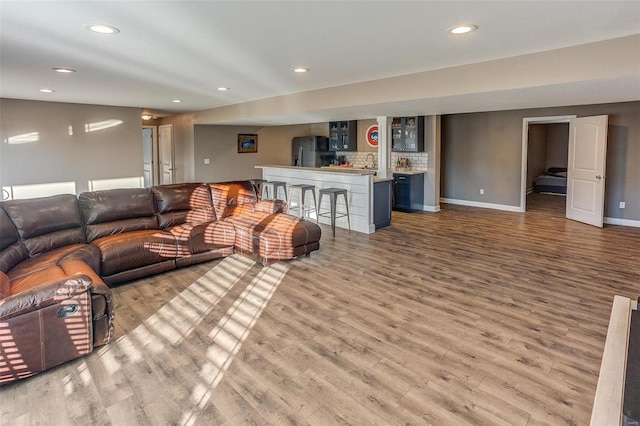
(59,254)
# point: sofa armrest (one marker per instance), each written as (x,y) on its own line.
(271,206)
(103,290)
(45,295)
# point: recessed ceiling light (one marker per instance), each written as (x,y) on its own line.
(462,29)
(300,70)
(47,90)
(102,28)
(176,101)
(63,70)
(223,89)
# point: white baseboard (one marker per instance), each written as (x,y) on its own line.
(607,220)
(481,205)
(623,222)
(433,209)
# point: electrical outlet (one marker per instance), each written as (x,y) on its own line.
(206,161)
(481,191)
(622,204)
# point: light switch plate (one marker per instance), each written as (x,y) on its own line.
(206,161)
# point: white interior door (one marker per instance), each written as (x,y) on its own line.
(586,169)
(165,142)
(147,156)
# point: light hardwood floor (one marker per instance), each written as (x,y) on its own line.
(467,316)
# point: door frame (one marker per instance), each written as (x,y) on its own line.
(172,154)
(525,146)
(154,152)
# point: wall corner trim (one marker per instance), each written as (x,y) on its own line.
(433,209)
(623,222)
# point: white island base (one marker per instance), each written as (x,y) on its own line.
(358,183)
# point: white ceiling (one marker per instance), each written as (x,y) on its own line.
(184,50)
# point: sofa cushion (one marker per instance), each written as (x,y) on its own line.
(44,215)
(37,278)
(226,194)
(8,232)
(200,238)
(268,237)
(85,252)
(116,227)
(116,211)
(12,256)
(182,203)
(46,223)
(12,250)
(116,204)
(131,250)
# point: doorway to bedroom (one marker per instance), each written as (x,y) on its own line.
(545,156)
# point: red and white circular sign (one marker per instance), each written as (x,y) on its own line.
(372,136)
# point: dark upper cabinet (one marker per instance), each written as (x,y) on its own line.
(343,135)
(407,134)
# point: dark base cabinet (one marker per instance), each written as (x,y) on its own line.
(382,195)
(408,192)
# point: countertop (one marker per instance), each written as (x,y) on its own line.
(342,170)
(409,172)
(350,170)
(377,179)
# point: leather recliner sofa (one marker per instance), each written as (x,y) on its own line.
(59,254)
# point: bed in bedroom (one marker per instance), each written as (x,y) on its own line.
(553,181)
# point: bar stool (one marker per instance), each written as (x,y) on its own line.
(275,184)
(333,195)
(301,190)
(259,184)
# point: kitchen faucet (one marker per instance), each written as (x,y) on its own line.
(373,160)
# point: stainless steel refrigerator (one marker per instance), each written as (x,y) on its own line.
(311,151)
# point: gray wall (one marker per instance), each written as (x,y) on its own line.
(220,145)
(557,145)
(58,156)
(483,150)
(480,150)
(536,152)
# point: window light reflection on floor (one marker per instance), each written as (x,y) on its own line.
(231,331)
(155,339)
(176,319)
(158,339)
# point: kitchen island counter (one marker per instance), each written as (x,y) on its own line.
(358,183)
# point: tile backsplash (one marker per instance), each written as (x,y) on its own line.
(417,160)
(361,159)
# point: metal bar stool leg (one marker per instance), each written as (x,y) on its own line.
(315,204)
(293,190)
(282,185)
(265,190)
(319,203)
(333,199)
(346,204)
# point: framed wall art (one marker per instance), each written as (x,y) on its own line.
(247,143)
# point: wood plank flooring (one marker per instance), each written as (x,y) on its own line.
(467,316)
